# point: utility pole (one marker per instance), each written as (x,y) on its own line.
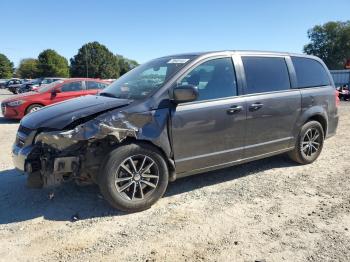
(86,61)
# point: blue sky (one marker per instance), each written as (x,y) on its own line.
(146,29)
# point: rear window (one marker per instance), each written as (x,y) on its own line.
(265,74)
(310,72)
(72,86)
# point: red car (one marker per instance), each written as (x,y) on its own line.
(18,106)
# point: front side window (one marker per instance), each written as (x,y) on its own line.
(214,79)
(147,78)
(265,74)
(72,86)
(310,72)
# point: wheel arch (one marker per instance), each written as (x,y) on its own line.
(321,119)
(315,113)
(31,104)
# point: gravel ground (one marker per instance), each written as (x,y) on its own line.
(271,210)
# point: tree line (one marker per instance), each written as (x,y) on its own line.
(92,60)
(331,43)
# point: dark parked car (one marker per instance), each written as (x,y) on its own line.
(3,83)
(42,82)
(35,84)
(27,86)
(13,84)
(181,115)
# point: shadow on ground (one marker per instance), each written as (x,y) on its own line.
(18,203)
(4,120)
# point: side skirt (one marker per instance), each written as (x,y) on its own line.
(233,163)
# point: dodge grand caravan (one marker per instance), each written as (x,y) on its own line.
(180,115)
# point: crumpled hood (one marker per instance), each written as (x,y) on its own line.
(59,115)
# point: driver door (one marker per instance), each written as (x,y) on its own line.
(210,131)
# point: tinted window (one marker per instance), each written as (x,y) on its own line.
(309,72)
(95,85)
(265,74)
(72,86)
(214,79)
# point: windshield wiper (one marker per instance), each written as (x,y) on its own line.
(108,95)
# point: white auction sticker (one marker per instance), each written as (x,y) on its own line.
(178,61)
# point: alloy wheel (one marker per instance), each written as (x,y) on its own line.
(36,108)
(137,177)
(311,142)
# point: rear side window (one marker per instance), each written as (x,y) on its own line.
(72,86)
(309,72)
(265,74)
(95,85)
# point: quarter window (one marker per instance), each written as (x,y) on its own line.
(310,72)
(214,79)
(72,86)
(265,74)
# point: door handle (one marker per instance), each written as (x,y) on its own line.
(255,106)
(234,109)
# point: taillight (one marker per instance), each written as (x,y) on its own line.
(337,100)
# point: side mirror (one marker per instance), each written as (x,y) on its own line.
(54,91)
(185,93)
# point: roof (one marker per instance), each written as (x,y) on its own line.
(257,52)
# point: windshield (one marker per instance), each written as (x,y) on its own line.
(49,86)
(146,78)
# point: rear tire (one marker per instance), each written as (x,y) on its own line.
(133,177)
(309,143)
(33,108)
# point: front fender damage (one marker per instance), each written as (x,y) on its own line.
(78,151)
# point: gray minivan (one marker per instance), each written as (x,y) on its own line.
(180,115)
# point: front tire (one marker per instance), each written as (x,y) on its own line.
(33,108)
(133,177)
(309,143)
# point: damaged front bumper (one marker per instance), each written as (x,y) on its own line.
(51,173)
(20,155)
(23,148)
(78,151)
(52,162)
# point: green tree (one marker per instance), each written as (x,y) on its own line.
(125,64)
(330,42)
(94,60)
(6,67)
(28,68)
(50,63)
